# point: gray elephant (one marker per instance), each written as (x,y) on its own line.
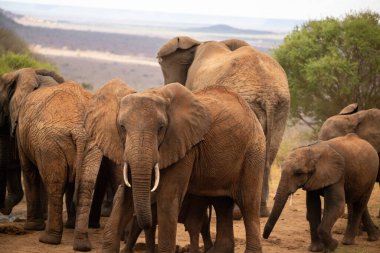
(255,76)
(208,143)
(343,170)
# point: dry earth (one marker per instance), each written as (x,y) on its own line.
(291,233)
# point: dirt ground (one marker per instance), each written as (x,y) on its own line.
(291,233)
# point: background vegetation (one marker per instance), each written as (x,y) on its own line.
(331,63)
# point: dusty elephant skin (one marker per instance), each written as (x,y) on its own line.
(255,76)
(48,121)
(364,123)
(343,170)
(208,143)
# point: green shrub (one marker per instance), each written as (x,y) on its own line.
(12,61)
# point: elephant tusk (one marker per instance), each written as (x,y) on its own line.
(156,177)
(125,174)
(291,199)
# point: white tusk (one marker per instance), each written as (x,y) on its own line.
(156,177)
(291,199)
(125,174)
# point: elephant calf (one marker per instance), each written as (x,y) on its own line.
(343,170)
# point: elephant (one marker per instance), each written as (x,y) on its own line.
(11,186)
(343,170)
(254,75)
(208,143)
(365,123)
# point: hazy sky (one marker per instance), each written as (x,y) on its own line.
(283,9)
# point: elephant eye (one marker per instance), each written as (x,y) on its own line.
(122,127)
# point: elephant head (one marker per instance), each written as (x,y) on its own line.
(177,55)
(311,168)
(17,85)
(151,131)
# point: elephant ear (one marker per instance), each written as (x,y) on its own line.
(234,44)
(19,84)
(48,73)
(183,42)
(349,109)
(101,118)
(188,121)
(326,166)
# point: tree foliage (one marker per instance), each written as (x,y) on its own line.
(331,63)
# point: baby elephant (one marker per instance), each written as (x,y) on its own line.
(343,170)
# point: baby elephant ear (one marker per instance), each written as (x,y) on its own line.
(349,109)
(234,44)
(101,118)
(188,121)
(183,42)
(327,166)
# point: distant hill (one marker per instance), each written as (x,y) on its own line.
(226,29)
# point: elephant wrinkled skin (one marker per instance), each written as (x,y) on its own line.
(254,75)
(343,170)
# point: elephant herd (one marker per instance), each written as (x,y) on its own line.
(208,137)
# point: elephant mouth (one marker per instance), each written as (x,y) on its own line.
(156,176)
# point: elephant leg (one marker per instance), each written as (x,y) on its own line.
(107,202)
(70,209)
(313,206)
(224,242)
(133,235)
(122,212)
(358,209)
(13,186)
(55,188)
(264,210)
(248,199)
(193,215)
(150,233)
(87,178)
(171,192)
(333,209)
(98,197)
(3,189)
(370,227)
(205,230)
(34,206)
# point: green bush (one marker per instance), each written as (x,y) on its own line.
(11,61)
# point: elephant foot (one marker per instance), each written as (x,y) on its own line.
(331,246)
(237,213)
(81,242)
(207,245)
(373,235)
(36,225)
(264,211)
(125,250)
(316,247)
(6,210)
(348,240)
(51,237)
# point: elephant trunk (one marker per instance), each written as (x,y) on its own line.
(281,197)
(141,160)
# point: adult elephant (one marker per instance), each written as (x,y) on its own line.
(255,76)
(364,123)
(11,186)
(343,170)
(208,144)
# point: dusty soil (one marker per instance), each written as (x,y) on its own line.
(291,233)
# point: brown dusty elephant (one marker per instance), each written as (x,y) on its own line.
(10,170)
(343,170)
(365,123)
(48,123)
(207,143)
(254,75)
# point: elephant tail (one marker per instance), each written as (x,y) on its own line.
(80,143)
(268,141)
